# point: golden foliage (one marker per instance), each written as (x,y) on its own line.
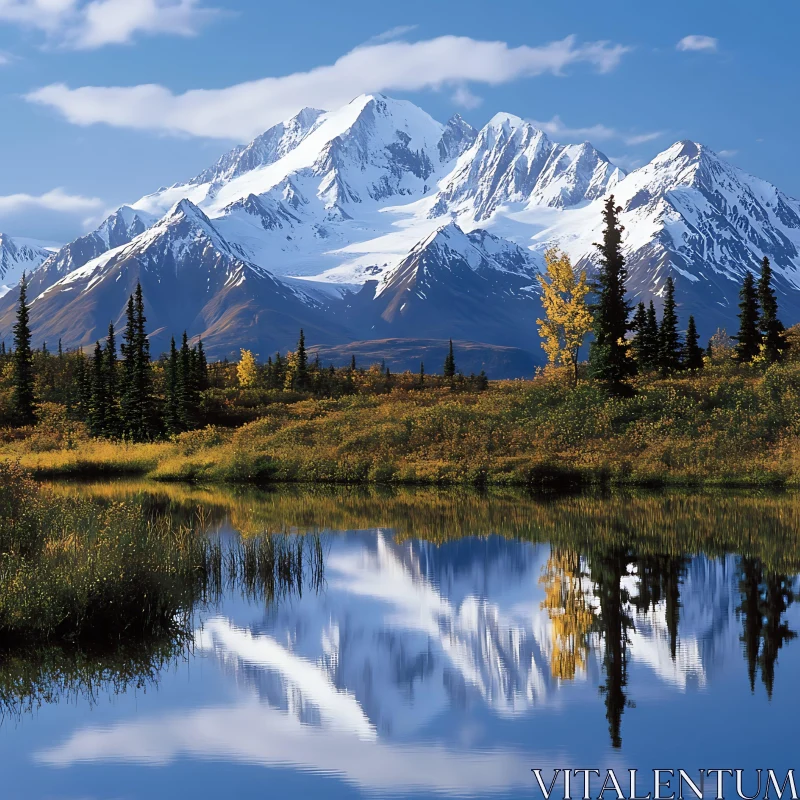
(568,318)
(566,601)
(247,369)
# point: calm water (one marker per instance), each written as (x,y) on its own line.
(457,642)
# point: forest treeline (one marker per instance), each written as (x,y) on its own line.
(646,380)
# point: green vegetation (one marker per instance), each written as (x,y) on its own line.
(650,408)
(78,573)
(729,424)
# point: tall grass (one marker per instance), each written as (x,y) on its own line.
(734,425)
(75,570)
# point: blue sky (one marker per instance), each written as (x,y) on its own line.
(93,110)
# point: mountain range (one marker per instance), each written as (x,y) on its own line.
(374,225)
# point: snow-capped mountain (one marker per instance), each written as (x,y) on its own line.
(191,278)
(463,277)
(18,256)
(691,215)
(511,161)
(378,223)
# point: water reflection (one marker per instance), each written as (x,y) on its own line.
(454,664)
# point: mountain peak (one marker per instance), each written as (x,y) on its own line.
(505,121)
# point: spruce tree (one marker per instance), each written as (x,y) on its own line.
(771,327)
(202,367)
(98,402)
(669,343)
(171,416)
(638,342)
(692,352)
(24,401)
(187,396)
(112,390)
(449,369)
(136,399)
(353,363)
(651,337)
(749,337)
(608,359)
(421,374)
(301,375)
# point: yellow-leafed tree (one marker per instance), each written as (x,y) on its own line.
(571,615)
(567,315)
(247,369)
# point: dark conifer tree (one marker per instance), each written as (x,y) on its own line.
(202,367)
(669,342)
(301,376)
(651,338)
(60,351)
(172,422)
(44,349)
(608,359)
(98,404)
(353,363)
(692,352)
(112,419)
(24,401)
(749,337)
(421,374)
(136,400)
(449,369)
(771,327)
(638,341)
(187,395)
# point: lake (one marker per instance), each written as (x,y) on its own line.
(451,643)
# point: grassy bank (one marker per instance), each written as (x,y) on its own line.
(729,426)
(91,574)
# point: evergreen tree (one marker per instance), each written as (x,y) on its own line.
(24,401)
(449,370)
(60,350)
(136,397)
(171,415)
(202,367)
(669,343)
(692,352)
(608,359)
(44,349)
(98,403)
(771,327)
(112,420)
(353,363)
(421,374)
(638,342)
(186,388)
(749,337)
(301,363)
(651,338)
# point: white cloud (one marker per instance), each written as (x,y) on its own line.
(87,25)
(697,43)
(246,109)
(54,200)
(555,127)
(727,153)
(392,33)
(628,163)
(465,98)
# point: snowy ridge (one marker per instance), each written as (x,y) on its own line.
(18,256)
(400,226)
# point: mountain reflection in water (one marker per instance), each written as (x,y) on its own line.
(455,661)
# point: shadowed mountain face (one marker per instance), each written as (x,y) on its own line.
(375,222)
